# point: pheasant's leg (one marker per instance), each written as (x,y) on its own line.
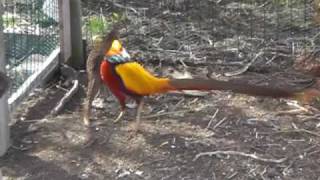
(93,87)
(138,117)
(123,108)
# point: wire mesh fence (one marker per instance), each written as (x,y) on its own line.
(211,31)
(272,33)
(31,34)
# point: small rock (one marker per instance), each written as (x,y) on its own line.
(84,176)
(139,173)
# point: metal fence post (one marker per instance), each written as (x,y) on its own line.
(70,33)
(4,108)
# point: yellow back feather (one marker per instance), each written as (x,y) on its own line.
(140,81)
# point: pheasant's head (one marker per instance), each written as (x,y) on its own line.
(117,53)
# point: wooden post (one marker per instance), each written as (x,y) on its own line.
(65,30)
(4,108)
(77,58)
(70,33)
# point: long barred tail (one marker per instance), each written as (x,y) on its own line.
(211,84)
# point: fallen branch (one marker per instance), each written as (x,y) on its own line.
(72,76)
(253,156)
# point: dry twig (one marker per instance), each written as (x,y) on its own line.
(219,123)
(245,68)
(212,118)
(123,7)
(253,156)
(164,114)
(298,131)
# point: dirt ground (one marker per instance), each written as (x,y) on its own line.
(252,136)
(175,129)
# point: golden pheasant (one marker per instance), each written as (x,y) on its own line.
(127,78)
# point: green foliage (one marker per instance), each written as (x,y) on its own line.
(98,25)
(8,21)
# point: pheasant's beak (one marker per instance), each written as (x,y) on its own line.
(125,54)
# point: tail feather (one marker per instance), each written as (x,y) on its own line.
(307,96)
(212,84)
